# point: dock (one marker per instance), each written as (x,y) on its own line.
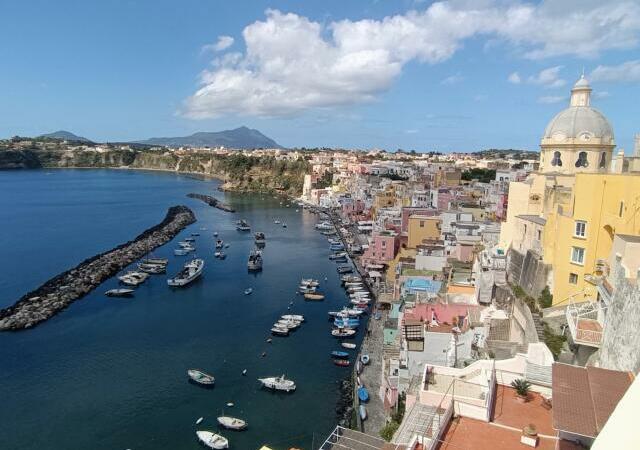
(212,201)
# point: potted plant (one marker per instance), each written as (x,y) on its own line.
(522,387)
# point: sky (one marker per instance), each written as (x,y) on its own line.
(458,75)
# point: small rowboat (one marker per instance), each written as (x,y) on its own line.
(314,296)
(232,423)
(349,345)
(344,333)
(340,355)
(341,362)
(363,394)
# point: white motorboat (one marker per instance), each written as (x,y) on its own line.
(119,293)
(200,377)
(296,317)
(248,291)
(212,440)
(133,278)
(359,301)
(349,345)
(191,271)
(243,225)
(255,261)
(343,333)
(289,324)
(183,251)
(278,383)
(152,268)
(232,423)
(278,330)
(158,261)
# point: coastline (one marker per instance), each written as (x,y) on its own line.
(57,293)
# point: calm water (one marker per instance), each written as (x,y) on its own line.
(111,373)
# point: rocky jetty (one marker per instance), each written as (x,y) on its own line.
(212,201)
(60,291)
(344,406)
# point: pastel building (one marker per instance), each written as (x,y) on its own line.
(382,248)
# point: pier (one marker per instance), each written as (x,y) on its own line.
(62,290)
(212,201)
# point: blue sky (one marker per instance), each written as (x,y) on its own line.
(458,75)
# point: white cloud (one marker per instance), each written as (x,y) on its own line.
(453,79)
(549,78)
(223,43)
(292,64)
(514,78)
(548,99)
(626,72)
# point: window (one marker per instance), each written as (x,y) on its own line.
(581,229)
(422,224)
(582,160)
(556,161)
(573,278)
(621,209)
(577,255)
(539,234)
(603,160)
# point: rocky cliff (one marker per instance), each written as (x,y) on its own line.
(238,171)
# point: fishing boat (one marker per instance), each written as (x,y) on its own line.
(219,243)
(363,412)
(349,284)
(350,278)
(212,440)
(344,269)
(248,291)
(288,324)
(119,293)
(336,247)
(183,251)
(365,359)
(255,260)
(307,289)
(363,394)
(279,331)
(133,278)
(359,302)
(343,333)
(314,296)
(232,423)
(324,226)
(341,362)
(260,239)
(243,225)
(152,268)
(338,255)
(200,377)
(278,383)
(339,354)
(347,323)
(217,254)
(309,282)
(158,261)
(191,271)
(296,317)
(349,345)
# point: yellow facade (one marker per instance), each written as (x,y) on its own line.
(607,204)
(421,228)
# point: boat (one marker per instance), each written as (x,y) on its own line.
(217,254)
(350,278)
(260,238)
(324,226)
(183,251)
(359,301)
(309,282)
(248,291)
(212,440)
(119,293)
(199,421)
(152,268)
(336,247)
(296,317)
(341,362)
(195,234)
(343,333)
(191,271)
(243,225)
(215,234)
(359,367)
(365,359)
(338,255)
(255,260)
(363,412)
(200,377)
(314,296)
(288,323)
(279,331)
(349,284)
(158,261)
(222,255)
(219,243)
(363,394)
(190,239)
(277,222)
(347,323)
(133,278)
(339,354)
(307,289)
(344,269)
(278,383)
(349,345)
(232,423)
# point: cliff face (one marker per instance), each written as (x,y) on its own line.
(239,172)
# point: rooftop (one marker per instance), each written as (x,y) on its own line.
(532,218)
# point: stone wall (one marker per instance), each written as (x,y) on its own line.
(527,271)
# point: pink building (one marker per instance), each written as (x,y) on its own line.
(463,251)
(353,207)
(382,248)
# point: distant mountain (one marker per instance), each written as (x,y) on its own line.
(242,137)
(64,135)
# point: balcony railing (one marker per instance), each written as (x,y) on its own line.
(585,323)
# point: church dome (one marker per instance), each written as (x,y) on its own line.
(580,120)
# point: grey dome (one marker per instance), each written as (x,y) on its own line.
(577,121)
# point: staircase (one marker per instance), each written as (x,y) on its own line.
(537,321)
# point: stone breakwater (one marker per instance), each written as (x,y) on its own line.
(212,201)
(62,290)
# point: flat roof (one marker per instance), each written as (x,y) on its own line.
(585,397)
(629,238)
(532,218)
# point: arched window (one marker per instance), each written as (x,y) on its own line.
(556,161)
(603,160)
(582,160)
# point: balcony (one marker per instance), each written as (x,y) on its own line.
(586,323)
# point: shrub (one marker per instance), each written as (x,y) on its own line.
(521,386)
(389,430)
(546,299)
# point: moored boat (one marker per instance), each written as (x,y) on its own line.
(260,239)
(133,278)
(243,225)
(119,293)
(344,269)
(341,362)
(314,296)
(296,317)
(212,440)
(343,333)
(363,394)
(278,383)
(232,423)
(348,345)
(200,377)
(255,261)
(191,271)
(248,291)
(339,354)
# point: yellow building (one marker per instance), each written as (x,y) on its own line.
(561,220)
(420,228)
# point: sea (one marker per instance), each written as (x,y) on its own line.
(111,373)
